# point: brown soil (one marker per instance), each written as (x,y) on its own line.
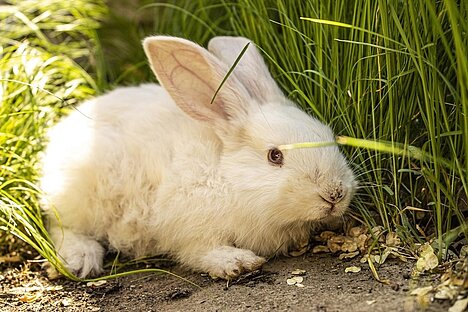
(326,288)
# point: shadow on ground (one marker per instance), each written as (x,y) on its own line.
(326,287)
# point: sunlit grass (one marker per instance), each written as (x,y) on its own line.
(41,43)
(391,76)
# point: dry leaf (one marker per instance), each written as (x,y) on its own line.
(320,248)
(333,247)
(326,235)
(28,298)
(338,239)
(361,241)
(374,272)
(392,240)
(66,302)
(446,293)
(364,258)
(460,281)
(380,259)
(352,269)
(291,281)
(96,283)
(356,231)
(427,259)
(298,279)
(349,246)
(459,306)
(421,291)
(377,230)
(394,252)
(298,272)
(300,285)
(464,252)
(295,280)
(349,255)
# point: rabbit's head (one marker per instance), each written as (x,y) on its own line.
(252,119)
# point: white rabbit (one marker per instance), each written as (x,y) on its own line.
(160,170)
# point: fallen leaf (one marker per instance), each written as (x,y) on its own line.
(361,240)
(326,235)
(352,269)
(421,291)
(300,285)
(460,281)
(298,272)
(427,259)
(54,288)
(377,230)
(446,293)
(96,283)
(392,239)
(298,279)
(66,302)
(333,247)
(349,246)
(28,298)
(338,239)
(380,259)
(370,302)
(295,280)
(464,252)
(320,249)
(291,281)
(356,231)
(459,305)
(349,255)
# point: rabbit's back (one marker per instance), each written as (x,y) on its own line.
(105,162)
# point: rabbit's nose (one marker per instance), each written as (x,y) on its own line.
(334,194)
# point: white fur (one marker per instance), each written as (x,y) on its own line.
(151,170)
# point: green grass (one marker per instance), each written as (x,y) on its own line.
(390,77)
(42,44)
(383,71)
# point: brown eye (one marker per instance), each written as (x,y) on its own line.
(275,157)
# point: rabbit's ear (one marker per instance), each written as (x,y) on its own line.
(192,75)
(251,69)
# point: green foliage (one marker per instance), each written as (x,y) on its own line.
(41,43)
(391,71)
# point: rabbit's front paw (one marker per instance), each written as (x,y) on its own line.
(83,256)
(229,262)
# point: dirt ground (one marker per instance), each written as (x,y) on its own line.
(326,287)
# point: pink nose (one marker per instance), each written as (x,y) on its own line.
(333,195)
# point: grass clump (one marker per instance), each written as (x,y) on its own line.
(43,46)
(384,71)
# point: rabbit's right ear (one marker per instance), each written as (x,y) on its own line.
(251,69)
(192,75)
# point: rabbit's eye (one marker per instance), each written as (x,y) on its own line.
(275,157)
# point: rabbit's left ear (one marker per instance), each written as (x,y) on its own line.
(251,69)
(192,75)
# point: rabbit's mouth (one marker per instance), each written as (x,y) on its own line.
(333,209)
